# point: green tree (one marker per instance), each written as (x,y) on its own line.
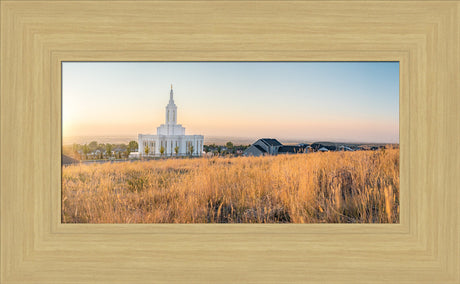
(93,146)
(132,145)
(108,148)
(162,150)
(101,147)
(190,149)
(86,151)
(230,147)
(146,149)
(75,148)
(176,150)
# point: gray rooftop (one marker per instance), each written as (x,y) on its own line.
(271,142)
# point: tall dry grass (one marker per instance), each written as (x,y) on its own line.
(334,187)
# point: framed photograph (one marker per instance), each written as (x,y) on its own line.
(265,142)
(255,164)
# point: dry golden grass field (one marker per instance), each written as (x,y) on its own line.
(331,187)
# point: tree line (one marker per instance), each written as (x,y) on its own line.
(99,151)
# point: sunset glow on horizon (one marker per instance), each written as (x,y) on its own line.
(341,101)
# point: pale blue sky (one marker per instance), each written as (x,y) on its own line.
(347,101)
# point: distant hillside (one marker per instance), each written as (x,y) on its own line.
(66,160)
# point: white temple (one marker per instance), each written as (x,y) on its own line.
(170,139)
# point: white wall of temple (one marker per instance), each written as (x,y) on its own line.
(169,144)
(170,129)
(195,141)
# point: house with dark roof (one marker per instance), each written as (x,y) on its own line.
(291,149)
(345,148)
(269,146)
(255,150)
(264,146)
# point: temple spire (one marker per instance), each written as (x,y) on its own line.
(171,110)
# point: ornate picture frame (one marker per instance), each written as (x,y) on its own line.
(36,36)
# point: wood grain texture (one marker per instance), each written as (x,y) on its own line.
(37,35)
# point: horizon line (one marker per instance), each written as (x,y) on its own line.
(255,138)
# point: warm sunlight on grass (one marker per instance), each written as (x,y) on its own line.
(333,187)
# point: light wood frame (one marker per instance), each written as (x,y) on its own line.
(37,35)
